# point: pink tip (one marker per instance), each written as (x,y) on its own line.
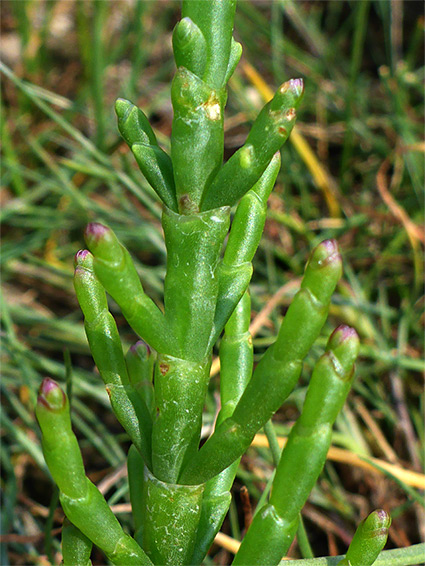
(342,333)
(327,252)
(330,246)
(80,257)
(47,385)
(51,395)
(382,515)
(95,230)
(139,344)
(140,347)
(297,85)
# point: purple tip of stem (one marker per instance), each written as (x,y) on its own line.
(51,395)
(383,517)
(140,344)
(81,256)
(95,231)
(326,252)
(140,348)
(48,384)
(297,86)
(330,246)
(342,333)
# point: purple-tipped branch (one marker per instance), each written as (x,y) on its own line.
(114,268)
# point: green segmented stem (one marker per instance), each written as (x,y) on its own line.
(115,270)
(250,217)
(60,447)
(236,358)
(76,547)
(368,540)
(236,361)
(278,371)
(196,138)
(235,269)
(215,21)
(106,349)
(233,281)
(268,133)
(133,124)
(82,502)
(170,521)
(92,515)
(180,390)
(140,365)
(153,161)
(135,469)
(194,244)
(206,56)
(234,58)
(157,168)
(304,454)
(189,47)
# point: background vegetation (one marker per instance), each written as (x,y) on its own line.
(354,171)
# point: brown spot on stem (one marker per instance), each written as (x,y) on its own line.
(187,205)
(163,368)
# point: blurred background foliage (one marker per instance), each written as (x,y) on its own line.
(354,171)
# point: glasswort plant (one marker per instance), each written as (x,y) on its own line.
(179,491)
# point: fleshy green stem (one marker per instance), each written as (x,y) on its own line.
(154,163)
(82,502)
(278,371)
(105,345)
(408,556)
(368,540)
(140,363)
(194,244)
(114,268)
(236,360)
(235,269)
(170,523)
(304,454)
(268,133)
(180,390)
(76,547)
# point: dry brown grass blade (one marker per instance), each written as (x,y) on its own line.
(414,232)
(111,479)
(262,317)
(343,456)
(227,542)
(327,525)
(376,432)
(26,539)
